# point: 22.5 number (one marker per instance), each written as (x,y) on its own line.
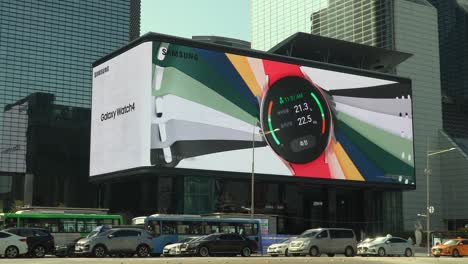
(303,120)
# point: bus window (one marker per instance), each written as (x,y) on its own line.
(154,228)
(10,222)
(246,229)
(195,228)
(67,225)
(183,228)
(212,228)
(169,228)
(227,228)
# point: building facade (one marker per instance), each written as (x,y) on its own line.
(391,25)
(49,46)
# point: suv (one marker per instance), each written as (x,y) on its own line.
(116,241)
(324,240)
(40,241)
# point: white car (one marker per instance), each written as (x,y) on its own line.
(174,249)
(385,246)
(11,245)
(280,248)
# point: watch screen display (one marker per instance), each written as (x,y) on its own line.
(295,119)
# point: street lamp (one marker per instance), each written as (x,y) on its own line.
(430,209)
(252,184)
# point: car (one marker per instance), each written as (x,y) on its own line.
(220,244)
(280,248)
(128,241)
(40,241)
(457,247)
(330,241)
(11,245)
(174,249)
(386,246)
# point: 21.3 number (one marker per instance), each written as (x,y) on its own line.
(301,107)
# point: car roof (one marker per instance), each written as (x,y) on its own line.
(127,228)
(27,228)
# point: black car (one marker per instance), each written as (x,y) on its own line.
(220,244)
(40,241)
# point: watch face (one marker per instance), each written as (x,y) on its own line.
(295,119)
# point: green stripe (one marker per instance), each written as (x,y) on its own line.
(319,104)
(381,159)
(389,142)
(206,74)
(177,83)
(272,131)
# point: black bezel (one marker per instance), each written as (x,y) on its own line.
(282,88)
(149,37)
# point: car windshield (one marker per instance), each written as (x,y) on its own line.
(287,240)
(309,233)
(380,240)
(93,233)
(451,242)
(368,240)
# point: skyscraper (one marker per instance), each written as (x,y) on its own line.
(49,46)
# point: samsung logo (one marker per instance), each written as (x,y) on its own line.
(101,71)
(163,52)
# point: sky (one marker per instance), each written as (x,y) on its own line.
(187,18)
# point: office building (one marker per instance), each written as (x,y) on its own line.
(392,25)
(49,46)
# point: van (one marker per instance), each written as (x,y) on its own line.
(328,241)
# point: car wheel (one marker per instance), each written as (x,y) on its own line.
(314,252)
(11,252)
(331,254)
(381,252)
(143,251)
(408,252)
(99,251)
(455,253)
(349,252)
(39,251)
(286,253)
(246,252)
(203,252)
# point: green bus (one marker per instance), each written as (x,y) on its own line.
(65,227)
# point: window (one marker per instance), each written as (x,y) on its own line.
(4,235)
(26,232)
(183,228)
(154,228)
(119,233)
(323,234)
(337,233)
(397,240)
(169,228)
(40,233)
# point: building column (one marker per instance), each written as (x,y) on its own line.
(331,206)
(28,189)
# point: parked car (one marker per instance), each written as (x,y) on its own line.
(457,247)
(385,246)
(11,245)
(128,241)
(40,241)
(280,248)
(174,249)
(330,241)
(226,244)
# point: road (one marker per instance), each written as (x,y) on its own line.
(239,260)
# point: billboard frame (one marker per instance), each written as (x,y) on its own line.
(151,37)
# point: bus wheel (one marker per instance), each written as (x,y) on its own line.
(143,251)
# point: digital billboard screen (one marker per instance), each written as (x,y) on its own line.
(185,105)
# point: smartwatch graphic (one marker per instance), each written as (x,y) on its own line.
(296,119)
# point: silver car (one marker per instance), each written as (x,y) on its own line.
(330,241)
(385,246)
(126,241)
(280,248)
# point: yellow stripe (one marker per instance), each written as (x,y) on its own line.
(349,169)
(242,66)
